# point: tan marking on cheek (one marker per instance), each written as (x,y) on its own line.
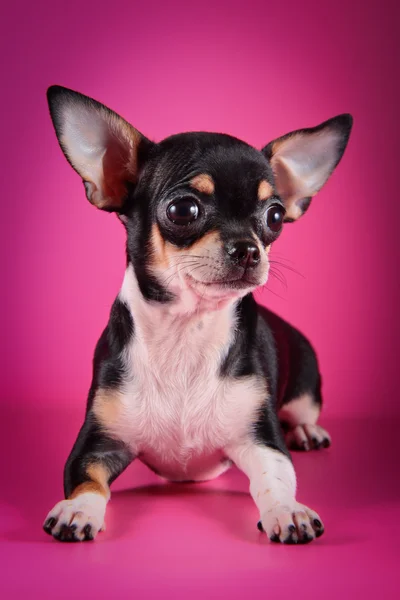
(98,483)
(163,253)
(265,190)
(158,258)
(209,241)
(203,183)
(267,249)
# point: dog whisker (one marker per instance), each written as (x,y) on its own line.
(170,277)
(264,288)
(279,277)
(288,267)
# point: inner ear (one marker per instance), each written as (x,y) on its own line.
(103,148)
(303,160)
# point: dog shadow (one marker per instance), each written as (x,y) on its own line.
(128,507)
(29,471)
(231,510)
(223,506)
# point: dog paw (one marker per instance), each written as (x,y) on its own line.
(291,525)
(76,520)
(308,437)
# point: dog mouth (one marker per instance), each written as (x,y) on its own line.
(223,286)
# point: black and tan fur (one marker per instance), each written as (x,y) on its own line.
(190,374)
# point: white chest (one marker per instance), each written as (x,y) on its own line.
(174,410)
(176,406)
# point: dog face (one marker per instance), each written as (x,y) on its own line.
(201,210)
(202,219)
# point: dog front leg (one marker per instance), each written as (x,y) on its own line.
(273,488)
(95,461)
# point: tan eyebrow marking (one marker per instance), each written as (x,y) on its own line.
(203,183)
(265,190)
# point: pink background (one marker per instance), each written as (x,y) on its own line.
(255,73)
(255,70)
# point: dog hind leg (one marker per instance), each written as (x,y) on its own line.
(299,417)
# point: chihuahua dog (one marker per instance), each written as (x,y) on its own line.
(191,375)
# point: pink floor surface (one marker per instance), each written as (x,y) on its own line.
(200,540)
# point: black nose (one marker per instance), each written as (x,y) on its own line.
(245,253)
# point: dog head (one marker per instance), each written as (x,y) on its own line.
(201,210)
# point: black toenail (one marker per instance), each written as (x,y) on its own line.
(87,530)
(291,528)
(317,523)
(326,443)
(275,538)
(304,526)
(291,539)
(259,526)
(65,533)
(49,524)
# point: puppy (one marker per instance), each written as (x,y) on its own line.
(191,375)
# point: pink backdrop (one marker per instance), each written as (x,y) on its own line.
(255,69)
(254,72)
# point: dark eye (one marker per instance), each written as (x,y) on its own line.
(275,216)
(183,212)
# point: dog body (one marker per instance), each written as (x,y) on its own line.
(175,412)
(191,375)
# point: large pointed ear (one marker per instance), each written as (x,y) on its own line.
(303,160)
(106,151)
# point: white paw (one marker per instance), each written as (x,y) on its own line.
(308,437)
(295,524)
(78,519)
